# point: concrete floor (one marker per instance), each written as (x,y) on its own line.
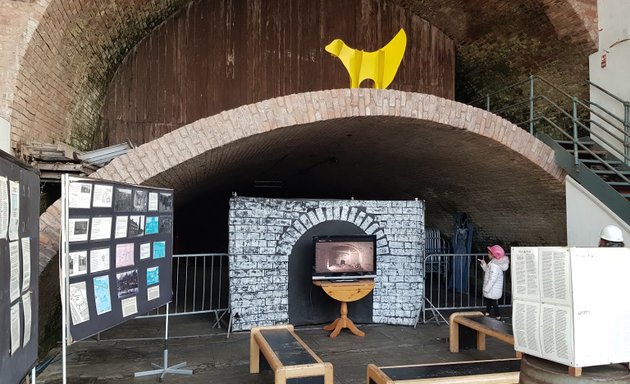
(218,359)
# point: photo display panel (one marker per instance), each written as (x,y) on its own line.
(19,268)
(119,258)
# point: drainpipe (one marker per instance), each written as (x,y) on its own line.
(531,104)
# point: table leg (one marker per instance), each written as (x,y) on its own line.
(343,322)
(332,326)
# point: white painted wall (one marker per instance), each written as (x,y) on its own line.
(5,135)
(614,76)
(586,216)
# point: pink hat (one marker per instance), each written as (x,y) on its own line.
(496,251)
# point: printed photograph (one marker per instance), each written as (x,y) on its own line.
(166,202)
(166,224)
(127,283)
(140,200)
(78,229)
(122,199)
(135,226)
(77,263)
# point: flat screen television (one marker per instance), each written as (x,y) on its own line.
(344,257)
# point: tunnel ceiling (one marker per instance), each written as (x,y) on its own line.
(497,41)
(387,158)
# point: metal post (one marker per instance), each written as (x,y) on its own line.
(531,104)
(164,369)
(487,102)
(576,158)
(626,129)
(63,259)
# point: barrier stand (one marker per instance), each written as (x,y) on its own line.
(165,369)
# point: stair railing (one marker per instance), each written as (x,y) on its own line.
(528,104)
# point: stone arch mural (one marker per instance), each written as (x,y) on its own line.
(308,305)
(263,233)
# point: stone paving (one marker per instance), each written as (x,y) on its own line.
(215,358)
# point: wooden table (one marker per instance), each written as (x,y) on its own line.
(345,292)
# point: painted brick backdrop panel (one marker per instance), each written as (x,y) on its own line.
(262,232)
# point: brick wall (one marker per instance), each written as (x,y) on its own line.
(263,231)
(58,56)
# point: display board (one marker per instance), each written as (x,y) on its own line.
(116,253)
(569,304)
(19,268)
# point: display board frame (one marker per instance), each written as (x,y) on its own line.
(19,241)
(116,258)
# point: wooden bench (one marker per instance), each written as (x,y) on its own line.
(482,326)
(503,371)
(291,360)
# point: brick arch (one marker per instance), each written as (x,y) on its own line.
(308,220)
(156,162)
(361,219)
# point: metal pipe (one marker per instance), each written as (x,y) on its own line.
(531,104)
(626,126)
(576,158)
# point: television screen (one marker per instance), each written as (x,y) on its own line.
(344,256)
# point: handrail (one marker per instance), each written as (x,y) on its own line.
(622,101)
(549,111)
(603,109)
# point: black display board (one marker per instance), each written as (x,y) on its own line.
(19,268)
(119,252)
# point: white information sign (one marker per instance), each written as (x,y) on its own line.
(578,317)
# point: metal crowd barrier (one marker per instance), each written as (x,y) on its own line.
(200,285)
(454,282)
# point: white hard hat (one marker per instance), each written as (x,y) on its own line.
(612,233)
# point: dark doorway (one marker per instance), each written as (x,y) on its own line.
(309,304)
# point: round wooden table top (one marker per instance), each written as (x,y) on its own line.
(346,291)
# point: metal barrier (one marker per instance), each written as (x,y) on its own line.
(200,284)
(455,282)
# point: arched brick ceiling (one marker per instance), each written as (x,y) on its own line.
(362,143)
(71,56)
(500,42)
(75,47)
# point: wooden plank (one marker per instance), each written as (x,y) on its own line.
(346,291)
(483,371)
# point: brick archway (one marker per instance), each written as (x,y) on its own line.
(161,162)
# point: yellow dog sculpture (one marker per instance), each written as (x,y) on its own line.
(380,66)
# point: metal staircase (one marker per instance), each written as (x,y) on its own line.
(592,143)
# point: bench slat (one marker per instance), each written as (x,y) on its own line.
(502,371)
(453,369)
(288,350)
(495,331)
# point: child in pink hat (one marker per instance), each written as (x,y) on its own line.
(493,278)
